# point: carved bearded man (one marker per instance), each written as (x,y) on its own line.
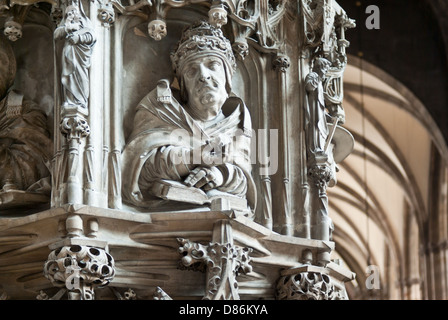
(204,142)
(25,146)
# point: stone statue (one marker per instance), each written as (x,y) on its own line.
(199,141)
(315,114)
(25,146)
(79,40)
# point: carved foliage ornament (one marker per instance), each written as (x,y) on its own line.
(307,286)
(75,127)
(223,263)
(320,175)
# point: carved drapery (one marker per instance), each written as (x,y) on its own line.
(25,142)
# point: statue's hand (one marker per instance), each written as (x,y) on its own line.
(73,38)
(213,153)
(206,178)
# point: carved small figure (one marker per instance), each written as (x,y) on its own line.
(201,145)
(315,113)
(79,40)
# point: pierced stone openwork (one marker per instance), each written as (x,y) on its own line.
(307,286)
(222,262)
(80,269)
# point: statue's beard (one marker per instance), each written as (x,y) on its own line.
(208,98)
(209,92)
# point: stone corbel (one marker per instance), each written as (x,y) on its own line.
(222,261)
(13,24)
(106,14)
(217,14)
(281,63)
(79,263)
(309,283)
(74,128)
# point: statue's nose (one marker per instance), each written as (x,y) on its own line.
(204,78)
(204,74)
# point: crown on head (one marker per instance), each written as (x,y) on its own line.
(202,38)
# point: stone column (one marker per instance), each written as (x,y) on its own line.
(281,64)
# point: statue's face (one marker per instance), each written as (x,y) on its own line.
(205,82)
(321,69)
(72,14)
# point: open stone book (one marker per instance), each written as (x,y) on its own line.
(177,191)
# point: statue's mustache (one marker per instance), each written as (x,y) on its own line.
(209,84)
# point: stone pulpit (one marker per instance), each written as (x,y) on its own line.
(171,149)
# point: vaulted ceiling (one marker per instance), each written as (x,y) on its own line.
(395,103)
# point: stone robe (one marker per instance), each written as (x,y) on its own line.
(25,146)
(76,61)
(148,154)
(315,117)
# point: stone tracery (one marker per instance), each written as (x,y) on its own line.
(86,139)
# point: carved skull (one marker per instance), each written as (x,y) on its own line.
(13,30)
(157,29)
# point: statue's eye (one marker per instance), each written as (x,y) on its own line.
(191,71)
(214,65)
